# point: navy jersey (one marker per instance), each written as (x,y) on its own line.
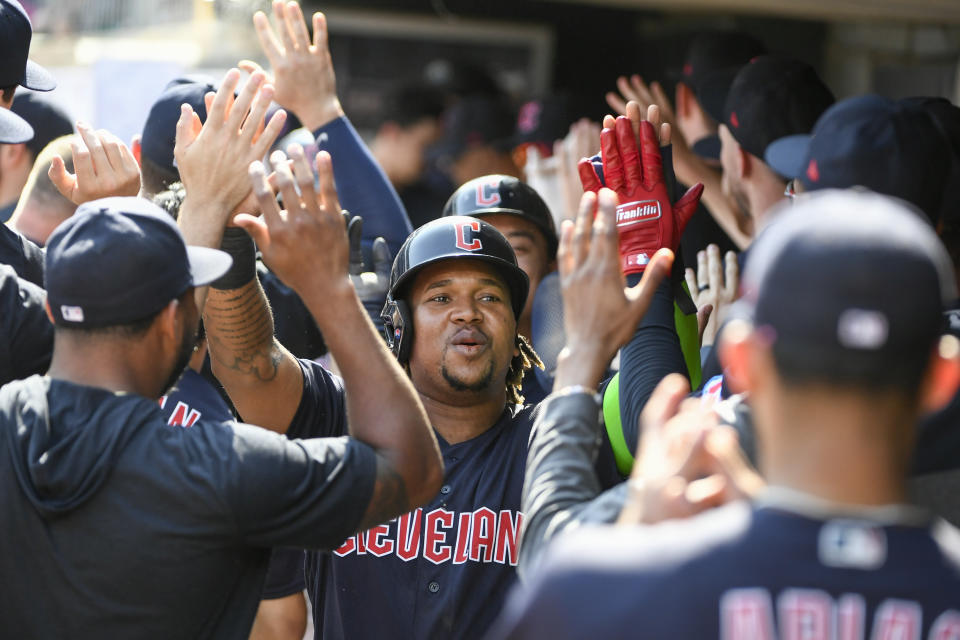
(192,399)
(26,335)
(442,571)
(780,569)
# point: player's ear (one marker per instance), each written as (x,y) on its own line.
(942,378)
(46,306)
(736,353)
(166,322)
(135,147)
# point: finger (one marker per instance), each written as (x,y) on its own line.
(630,158)
(703,275)
(63,180)
(565,257)
(126,156)
(653,115)
(328,185)
(612,164)
(185,133)
(731,276)
(588,176)
(111,149)
(269,134)
(650,155)
(603,245)
(268,39)
(706,493)
(583,228)
(98,157)
(666,134)
(82,165)
(660,97)
(265,196)
(256,227)
(320,31)
(642,293)
(297,26)
(354,235)
(253,123)
(703,317)
(243,101)
(691,279)
(618,104)
(686,206)
(250,67)
(286,183)
(382,260)
(280,20)
(217,110)
(626,90)
(663,404)
(714,269)
(635,113)
(303,175)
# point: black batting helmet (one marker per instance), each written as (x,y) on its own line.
(448,238)
(504,194)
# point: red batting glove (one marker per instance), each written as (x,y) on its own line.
(646,220)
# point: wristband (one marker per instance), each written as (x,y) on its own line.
(241,248)
(578,388)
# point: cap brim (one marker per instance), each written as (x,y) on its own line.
(206,265)
(13,128)
(786,155)
(708,147)
(38,78)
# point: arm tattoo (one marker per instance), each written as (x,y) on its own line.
(389,498)
(239,328)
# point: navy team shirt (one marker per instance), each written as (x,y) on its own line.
(442,571)
(783,568)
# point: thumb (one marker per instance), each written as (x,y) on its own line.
(185,134)
(588,176)
(382,260)
(61,178)
(256,227)
(684,208)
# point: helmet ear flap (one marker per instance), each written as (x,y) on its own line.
(397,328)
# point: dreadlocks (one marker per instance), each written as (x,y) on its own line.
(519,366)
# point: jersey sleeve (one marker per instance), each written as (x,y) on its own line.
(362,187)
(561,489)
(323,411)
(24,256)
(309,494)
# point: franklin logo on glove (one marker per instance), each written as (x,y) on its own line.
(635,212)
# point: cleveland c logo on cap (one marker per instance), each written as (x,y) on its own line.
(466,230)
(488,193)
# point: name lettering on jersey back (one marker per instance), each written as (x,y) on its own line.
(812,614)
(182,415)
(440,536)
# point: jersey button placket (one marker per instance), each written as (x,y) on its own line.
(433,587)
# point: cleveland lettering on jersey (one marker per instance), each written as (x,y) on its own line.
(631,213)
(442,536)
(182,415)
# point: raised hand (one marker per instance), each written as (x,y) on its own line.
(310,231)
(600,312)
(715,285)
(646,219)
(213,158)
(104,167)
(302,69)
(686,461)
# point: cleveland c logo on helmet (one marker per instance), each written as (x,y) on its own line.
(467,230)
(488,193)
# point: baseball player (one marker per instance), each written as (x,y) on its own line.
(840,346)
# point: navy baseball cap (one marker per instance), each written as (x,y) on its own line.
(160,130)
(118,260)
(715,51)
(16,32)
(770,97)
(48,121)
(849,286)
(894,148)
(475,121)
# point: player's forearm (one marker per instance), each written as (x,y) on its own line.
(262,378)
(373,380)
(691,170)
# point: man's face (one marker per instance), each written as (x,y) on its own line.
(189,324)
(464,332)
(530,246)
(732,183)
(410,147)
